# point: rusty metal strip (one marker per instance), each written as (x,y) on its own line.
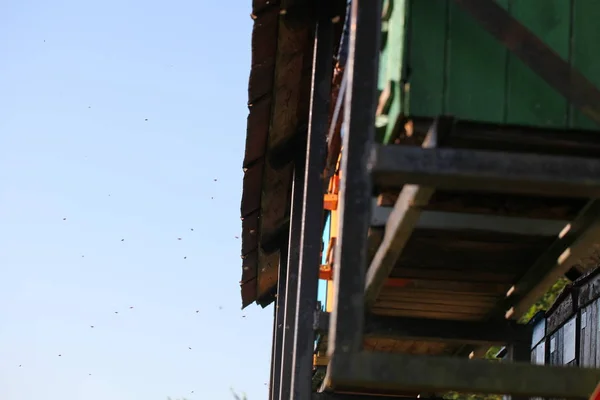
(544,61)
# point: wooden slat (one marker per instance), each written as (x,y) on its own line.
(475,84)
(530,100)
(405,372)
(427,52)
(476,222)
(401,222)
(457,169)
(584,52)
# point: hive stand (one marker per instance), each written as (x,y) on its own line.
(352,371)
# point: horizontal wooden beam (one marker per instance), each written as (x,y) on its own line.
(395,166)
(441,220)
(408,373)
(464,332)
(357,396)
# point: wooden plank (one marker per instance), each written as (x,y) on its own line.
(421,329)
(396,54)
(587,357)
(556,348)
(457,169)
(597,328)
(355,396)
(346,327)
(415,305)
(536,55)
(509,205)
(584,52)
(530,100)
(476,222)
(476,69)
(403,372)
(400,224)
(427,45)
(453,282)
(451,316)
(510,137)
(398,230)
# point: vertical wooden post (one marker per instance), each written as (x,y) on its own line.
(362,68)
(278,317)
(291,288)
(312,206)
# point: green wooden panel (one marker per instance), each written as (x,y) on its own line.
(530,100)
(475,70)
(427,27)
(586,50)
(395,61)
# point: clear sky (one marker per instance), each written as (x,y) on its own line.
(119,115)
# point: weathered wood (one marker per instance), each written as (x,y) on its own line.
(345,335)
(354,396)
(312,207)
(291,288)
(405,372)
(505,204)
(393,166)
(564,307)
(440,220)
(494,257)
(564,253)
(393,328)
(397,233)
(590,336)
(589,286)
(401,222)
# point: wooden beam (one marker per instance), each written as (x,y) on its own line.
(401,222)
(538,56)
(440,220)
(489,171)
(573,244)
(403,328)
(358,396)
(407,373)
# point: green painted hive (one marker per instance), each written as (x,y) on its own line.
(437,60)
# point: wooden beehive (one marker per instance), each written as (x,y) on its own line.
(439,60)
(589,319)
(561,327)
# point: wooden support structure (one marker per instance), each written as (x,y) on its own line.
(388,273)
(464,332)
(354,396)
(403,372)
(477,222)
(312,207)
(458,169)
(401,223)
(571,245)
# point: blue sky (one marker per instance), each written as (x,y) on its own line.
(119,116)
